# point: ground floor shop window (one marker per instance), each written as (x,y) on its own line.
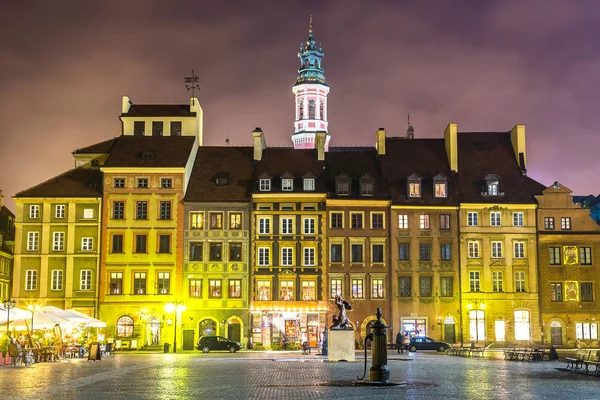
(522,325)
(415,327)
(125,326)
(500,329)
(586,330)
(476,325)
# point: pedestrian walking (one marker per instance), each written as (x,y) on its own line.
(399,342)
(405,342)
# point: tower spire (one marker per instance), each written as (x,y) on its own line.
(310,31)
(410,130)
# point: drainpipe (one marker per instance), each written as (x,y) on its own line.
(460,311)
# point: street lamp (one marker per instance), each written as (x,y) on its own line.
(33,308)
(177,308)
(8,304)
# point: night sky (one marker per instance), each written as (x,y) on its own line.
(486,65)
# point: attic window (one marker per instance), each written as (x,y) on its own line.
(414,186)
(309,184)
(222,179)
(492,186)
(366,185)
(148,155)
(287,185)
(440,186)
(264,185)
(342,185)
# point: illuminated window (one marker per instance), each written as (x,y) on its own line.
(522,325)
(556,291)
(423,221)
(88,213)
(496,249)
(585,255)
(214,288)
(286,256)
(565,223)
(519,249)
(440,189)
(414,189)
(518,219)
(195,287)
(444,221)
(216,220)
(586,330)
(497,281)
(163,283)
(263,290)
(125,327)
(139,283)
(197,220)
(235,288)
(85,279)
(520,282)
(472,219)
(59,211)
(235,221)
(263,256)
(402,221)
(474,281)
(286,290)
(309,290)
(476,325)
(377,288)
(548,222)
(357,288)
(116,283)
(335,287)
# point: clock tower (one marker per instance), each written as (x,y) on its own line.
(310,91)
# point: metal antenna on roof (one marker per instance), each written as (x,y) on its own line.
(227,139)
(192,83)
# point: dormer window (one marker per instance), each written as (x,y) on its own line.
(440,186)
(414,186)
(287,185)
(366,185)
(222,179)
(148,155)
(309,184)
(264,185)
(492,186)
(342,185)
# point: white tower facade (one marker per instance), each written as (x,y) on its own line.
(310,91)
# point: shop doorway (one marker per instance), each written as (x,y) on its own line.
(556,333)
(449,330)
(188,339)
(153,327)
(477,325)
(500,329)
(234,332)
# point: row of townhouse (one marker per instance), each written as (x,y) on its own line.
(448,236)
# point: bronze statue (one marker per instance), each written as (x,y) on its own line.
(341,321)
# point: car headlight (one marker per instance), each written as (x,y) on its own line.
(238,343)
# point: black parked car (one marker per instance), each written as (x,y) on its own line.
(425,343)
(208,343)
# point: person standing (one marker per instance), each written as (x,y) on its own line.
(399,343)
(405,342)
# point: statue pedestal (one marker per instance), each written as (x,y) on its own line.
(340,345)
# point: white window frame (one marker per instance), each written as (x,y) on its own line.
(309,184)
(520,282)
(308,226)
(58,241)
(87,244)
(85,279)
(519,250)
(472,218)
(88,213)
(497,250)
(264,185)
(59,211)
(308,257)
(34,211)
(33,241)
(518,219)
(495,218)
(264,226)
(287,226)
(287,185)
(31,280)
(474,281)
(57,280)
(287,256)
(263,256)
(473,248)
(402,221)
(497,281)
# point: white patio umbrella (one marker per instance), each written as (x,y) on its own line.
(15,313)
(69,315)
(91,321)
(41,320)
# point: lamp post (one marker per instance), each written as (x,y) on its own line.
(176,308)
(33,308)
(8,304)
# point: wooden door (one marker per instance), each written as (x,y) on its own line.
(556,335)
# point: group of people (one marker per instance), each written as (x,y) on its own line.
(402,342)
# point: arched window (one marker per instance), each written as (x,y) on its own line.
(311,109)
(125,326)
(301,111)
(208,327)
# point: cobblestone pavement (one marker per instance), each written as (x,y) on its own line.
(250,375)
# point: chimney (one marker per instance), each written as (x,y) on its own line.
(258,138)
(451,139)
(126,103)
(380,141)
(321,140)
(517,138)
